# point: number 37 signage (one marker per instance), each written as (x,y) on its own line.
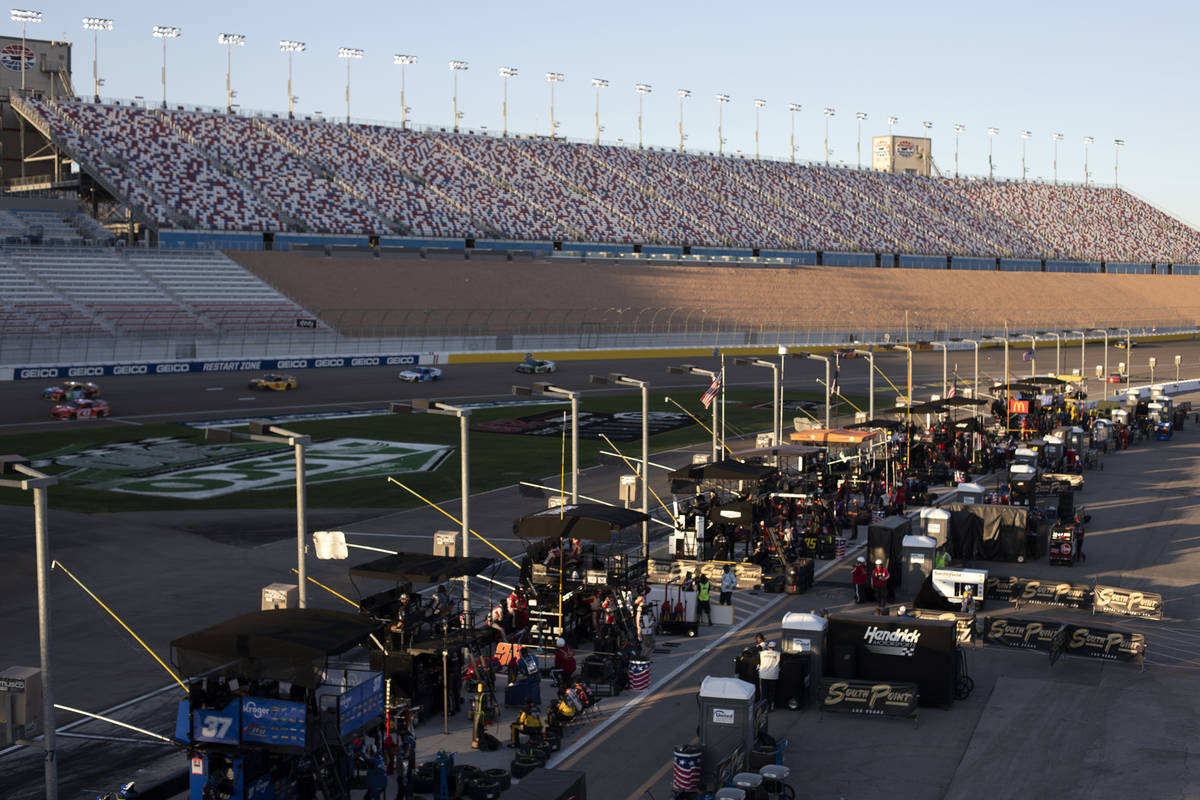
(217,726)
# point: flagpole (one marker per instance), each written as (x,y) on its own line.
(724,410)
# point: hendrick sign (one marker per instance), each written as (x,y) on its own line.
(1126,602)
(875,698)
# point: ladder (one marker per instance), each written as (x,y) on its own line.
(325,764)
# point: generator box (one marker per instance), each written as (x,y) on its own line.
(280,595)
(445,543)
(20,704)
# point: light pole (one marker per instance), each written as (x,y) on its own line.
(771,365)
(505,74)
(1153,364)
(892,120)
(758,105)
(688,369)
(1104,332)
(1007,393)
(350,54)
(17,474)
(1057,349)
(1128,353)
(25,17)
(957,130)
(1082,352)
(870,354)
(860,116)
(945,363)
(263,431)
(1178,361)
(572,395)
(291,47)
(1117,145)
(793,108)
(642,90)
(1087,141)
(992,134)
(683,95)
(456,67)
(598,84)
(553,78)
(828,386)
(403,61)
(1032,337)
(95,25)
(1024,136)
(722,99)
(618,378)
(975,378)
(229,40)
(1057,137)
(828,112)
(163,32)
(420,405)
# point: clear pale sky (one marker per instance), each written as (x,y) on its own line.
(1081,69)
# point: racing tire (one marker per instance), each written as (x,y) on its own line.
(483,788)
(465,774)
(523,765)
(425,777)
(501,776)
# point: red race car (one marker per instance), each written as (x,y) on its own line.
(80,409)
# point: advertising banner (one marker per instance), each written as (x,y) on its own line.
(59,372)
(281,723)
(1002,587)
(1126,602)
(360,706)
(218,726)
(964,624)
(1057,638)
(1027,634)
(896,649)
(1053,593)
(875,698)
(1105,643)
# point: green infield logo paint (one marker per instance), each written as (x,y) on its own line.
(171,467)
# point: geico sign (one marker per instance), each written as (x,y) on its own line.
(401,360)
(299,363)
(368,361)
(130,369)
(167,368)
(43,372)
(79,372)
(329,362)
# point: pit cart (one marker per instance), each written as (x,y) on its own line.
(1066,542)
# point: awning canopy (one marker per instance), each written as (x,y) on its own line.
(583,521)
(833,436)
(687,478)
(781,451)
(288,644)
(882,424)
(421,568)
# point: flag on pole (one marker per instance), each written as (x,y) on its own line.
(1027,355)
(952,391)
(835,389)
(711,392)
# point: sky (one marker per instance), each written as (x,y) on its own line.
(1094,69)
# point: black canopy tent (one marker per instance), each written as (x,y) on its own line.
(882,424)
(288,644)
(583,521)
(421,568)
(686,479)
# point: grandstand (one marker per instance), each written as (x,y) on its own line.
(189,170)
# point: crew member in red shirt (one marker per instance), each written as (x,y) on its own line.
(879,582)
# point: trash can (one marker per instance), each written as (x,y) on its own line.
(685,773)
(916,556)
(726,722)
(935,522)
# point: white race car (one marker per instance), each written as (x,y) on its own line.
(534,366)
(421,374)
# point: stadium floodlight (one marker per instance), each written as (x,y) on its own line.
(958,128)
(793,108)
(553,78)
(860,116)
(642,90)
(1117,145)
(456,67)
(758,105)
(1056,137)
(1087,140)
(403,61)
(722,99)
(25,17)
(892,120)
(828,112)
(683,95)
(165,32)
(229,40)
(290,47)
(95,25)
(1024,136)
(349,54)
(598,84)
(992,134)
(505,74)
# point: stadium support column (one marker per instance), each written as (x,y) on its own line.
(1056,137)
(1024,137)
(25,17)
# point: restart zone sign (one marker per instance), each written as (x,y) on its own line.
(174,467)
(620,427)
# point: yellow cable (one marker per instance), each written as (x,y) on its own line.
(54,564)
(331,591)
(707,429)
(456,519)
(631,466)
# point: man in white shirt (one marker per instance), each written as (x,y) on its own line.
(768,674)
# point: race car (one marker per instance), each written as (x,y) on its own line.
(71,389)
(534,366)
(80,409)
(845,352)
(1120,343)
(273,383)
(421,374)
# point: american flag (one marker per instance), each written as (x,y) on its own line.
(1028,355)
(952,391)
(711,392)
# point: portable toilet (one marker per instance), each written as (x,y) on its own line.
(1052,453)
(1102,434)
(1154,412)
(802,664)
(917,554)
(1026,456)
(1022,481)
(935,522)
(1121,415)
(726,722)
(969,494)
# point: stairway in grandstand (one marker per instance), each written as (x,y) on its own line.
(94,290)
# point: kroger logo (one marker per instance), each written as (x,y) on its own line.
(254,710)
